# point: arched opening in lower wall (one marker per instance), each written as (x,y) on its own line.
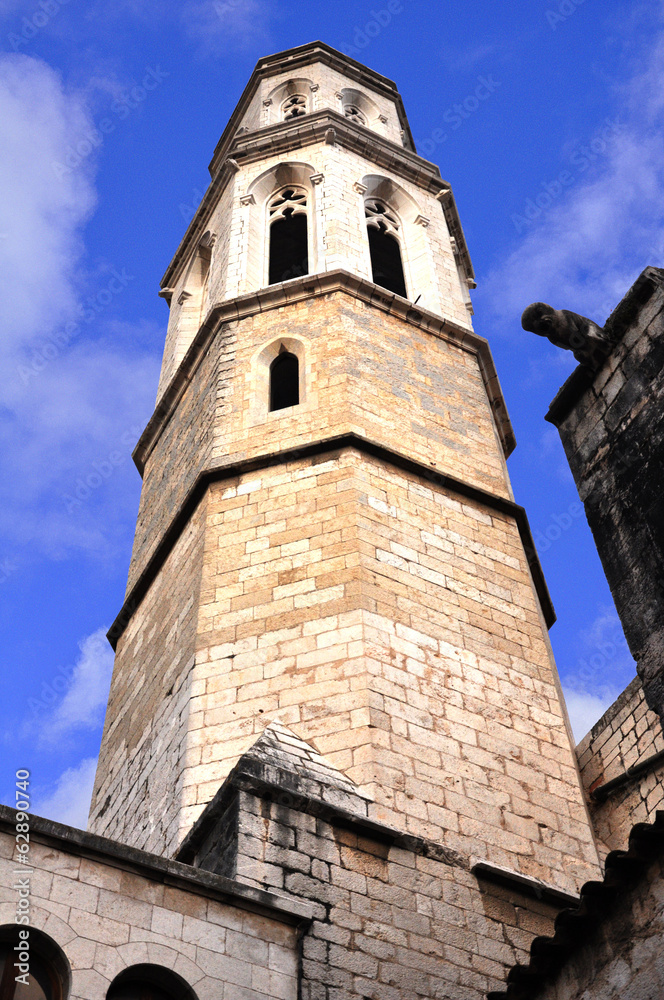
(149,982)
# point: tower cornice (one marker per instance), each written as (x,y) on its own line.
(336,445)
(294,59)
(316,128)
(311,286)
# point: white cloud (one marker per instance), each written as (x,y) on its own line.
(586,709)
(67,401)
(603,670)
(585,250)
(69,801)
(41,215)
(84,701)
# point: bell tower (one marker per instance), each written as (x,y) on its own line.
(327,537)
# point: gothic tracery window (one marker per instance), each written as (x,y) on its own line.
(353,112)
(288,237)
(294,107)
(383,231)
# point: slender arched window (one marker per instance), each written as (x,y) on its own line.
(149,982)
(42,971)
(383,233)
(284,381)
(289,242)
(294,107)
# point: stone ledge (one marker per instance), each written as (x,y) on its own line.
(526,885)
(173,873)
(328,446)
(278,787)
(307,287)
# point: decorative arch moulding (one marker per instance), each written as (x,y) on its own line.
(312,129)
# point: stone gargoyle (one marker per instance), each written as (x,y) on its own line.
(588,342)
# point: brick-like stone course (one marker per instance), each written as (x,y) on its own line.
(393,624)
(628,734)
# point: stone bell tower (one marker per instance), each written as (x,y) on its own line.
(327,537)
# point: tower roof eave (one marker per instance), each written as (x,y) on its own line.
(292,59)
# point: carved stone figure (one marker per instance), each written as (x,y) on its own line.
(588,342)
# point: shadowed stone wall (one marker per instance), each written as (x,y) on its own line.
(611,423)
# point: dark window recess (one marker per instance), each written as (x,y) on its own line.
(289,254)
(386,263)
(149,982)
(284,381)
(47,969)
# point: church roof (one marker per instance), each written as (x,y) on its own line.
(573,926)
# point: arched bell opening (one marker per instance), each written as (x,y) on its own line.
(386,263)
(288,236)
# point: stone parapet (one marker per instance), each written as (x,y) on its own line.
(622,767)
(611,423)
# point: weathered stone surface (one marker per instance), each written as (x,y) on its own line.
(611,424)
(395,915)
(622,752)
(248,940)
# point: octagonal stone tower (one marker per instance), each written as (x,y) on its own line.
(327,536)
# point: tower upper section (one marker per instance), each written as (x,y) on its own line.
(317,171)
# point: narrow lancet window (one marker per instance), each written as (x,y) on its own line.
(284,381)
(383,233)
(289,250)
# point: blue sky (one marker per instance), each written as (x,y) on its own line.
(109,113)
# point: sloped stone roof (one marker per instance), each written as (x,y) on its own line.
(280,757)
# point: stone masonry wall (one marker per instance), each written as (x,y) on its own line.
(365,371)
(389,923)
(106,919)
(612,427)
(395,626)
(138,788)
(624,956)
(184,448)
(627,734)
